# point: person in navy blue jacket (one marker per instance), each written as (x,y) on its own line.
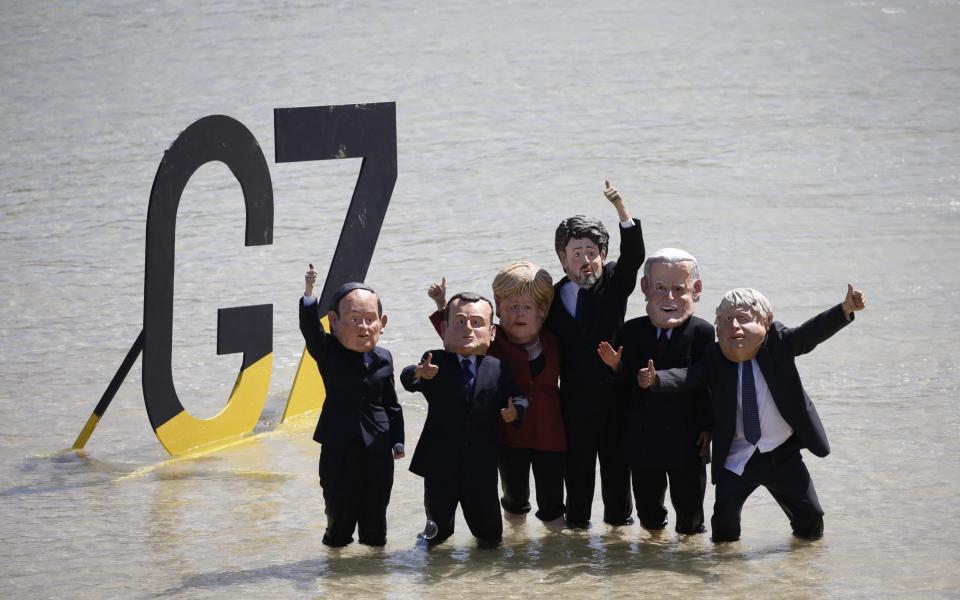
(361,423)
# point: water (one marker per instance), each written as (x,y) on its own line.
(791,146)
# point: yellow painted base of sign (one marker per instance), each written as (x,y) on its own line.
(307,392)
(87,431)
(185,432)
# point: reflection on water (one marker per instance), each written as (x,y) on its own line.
(792,147)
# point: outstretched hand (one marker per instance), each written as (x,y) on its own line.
(509,414)
(854,301)
(647,376)
(426,369)
(608,355)
(438,293)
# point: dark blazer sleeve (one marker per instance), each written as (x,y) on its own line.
(313,333)
(681,380)
(704,409)
(392,405)
(806,337)
(408,375)
(632,253)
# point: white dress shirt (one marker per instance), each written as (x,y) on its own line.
(773,429)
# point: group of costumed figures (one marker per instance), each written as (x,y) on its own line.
(562,382)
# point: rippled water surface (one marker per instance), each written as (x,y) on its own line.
(791,146)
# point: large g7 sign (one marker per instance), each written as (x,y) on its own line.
(300,134)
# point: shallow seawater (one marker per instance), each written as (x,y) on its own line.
(790,147)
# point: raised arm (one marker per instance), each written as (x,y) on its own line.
(313,333)
(820,328)
(632,250)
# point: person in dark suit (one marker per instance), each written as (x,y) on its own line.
(666,438)
(762,415)
(360,428)
(592,301)
(466,393)
(522,293)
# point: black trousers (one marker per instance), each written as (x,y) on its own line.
(687,488)
(590,437)
(356,485)
(477,497)
(514,465)
(788,481)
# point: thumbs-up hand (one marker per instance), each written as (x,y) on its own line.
(509,414)
(854,301)
(611,192)
(309,281)
(647,376)
(608,355)
(438,293)
(426,369)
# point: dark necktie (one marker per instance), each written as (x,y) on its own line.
(662,342)
(468,376)
(751,414)
(579,313)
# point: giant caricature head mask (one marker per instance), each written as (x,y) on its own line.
(357,320)
(581,245)
(468,324)
(523,293)
(671,284)
(743,317)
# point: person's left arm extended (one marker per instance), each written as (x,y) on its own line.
(806,337)
(632,251)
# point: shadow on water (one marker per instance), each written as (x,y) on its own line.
(556,558)
(75,469)
(64,470)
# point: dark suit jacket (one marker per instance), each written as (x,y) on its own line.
(661,429)
(459,437)
(776,361)
(582,371)
(360,400)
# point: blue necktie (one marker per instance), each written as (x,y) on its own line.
(751,414)
(468,376)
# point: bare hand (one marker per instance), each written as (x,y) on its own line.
(608,355)
(854,301)
(438,293)
(398,452)
(647,376)
(611,192)
(509,414)
(703,442)
(426,369)
(310,280)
